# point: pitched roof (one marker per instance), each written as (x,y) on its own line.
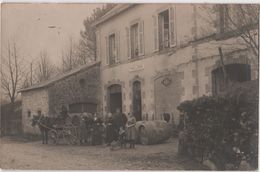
(113,12)
(60,77)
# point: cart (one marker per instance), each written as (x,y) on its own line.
(67,133)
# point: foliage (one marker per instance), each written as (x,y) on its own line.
(84,51)
(11,116)
(220,127)
(87,45)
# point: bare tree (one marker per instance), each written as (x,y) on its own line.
(11,74)
(45,68)
(70,56)
(243,20)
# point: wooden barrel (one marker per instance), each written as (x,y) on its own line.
(152,132)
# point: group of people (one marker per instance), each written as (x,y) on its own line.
(95,129)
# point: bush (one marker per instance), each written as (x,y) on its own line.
(224,129)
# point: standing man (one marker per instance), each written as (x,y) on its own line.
(110,129)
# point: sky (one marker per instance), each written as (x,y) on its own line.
(42,27)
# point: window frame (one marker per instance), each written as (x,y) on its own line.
(172,27)
(162,29)
(138,39)
(109,57)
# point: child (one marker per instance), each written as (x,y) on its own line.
(122,137)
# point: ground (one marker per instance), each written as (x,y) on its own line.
(17,154)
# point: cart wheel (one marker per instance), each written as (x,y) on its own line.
(53,137)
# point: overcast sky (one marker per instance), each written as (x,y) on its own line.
(28,25)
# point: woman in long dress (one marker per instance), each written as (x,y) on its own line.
(130,130)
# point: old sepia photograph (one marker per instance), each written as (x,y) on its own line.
(129,86)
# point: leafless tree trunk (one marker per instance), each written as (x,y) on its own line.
(69,57)
(45,68)
(11,74)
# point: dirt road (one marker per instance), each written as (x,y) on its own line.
(33,155)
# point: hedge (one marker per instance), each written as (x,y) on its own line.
(224,128)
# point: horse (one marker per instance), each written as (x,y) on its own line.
(45,124)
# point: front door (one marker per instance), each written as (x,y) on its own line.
(115,98)
(137,100)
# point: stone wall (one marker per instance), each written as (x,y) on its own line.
(188,65)
(189,69)
(32,102)
(82,87)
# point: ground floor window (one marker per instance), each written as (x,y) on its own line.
(235,73)
(82,107)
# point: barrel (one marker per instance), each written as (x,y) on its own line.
(152,132)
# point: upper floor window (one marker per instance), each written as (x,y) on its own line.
(164,32)
(164,29)
(135,39)
(112,43)
(112,49)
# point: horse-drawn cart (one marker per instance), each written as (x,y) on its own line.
(68,133)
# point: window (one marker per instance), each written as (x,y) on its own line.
(164,30)
(82,107)
(134,40)
(82,83)
(29,113)
(112,49)
(39,112)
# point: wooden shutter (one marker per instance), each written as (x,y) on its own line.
(107,50)
(128,51)
(141,37)
(98,45)
(155,27)
(172,27)
(117,44)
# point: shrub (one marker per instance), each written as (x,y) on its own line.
(222,127)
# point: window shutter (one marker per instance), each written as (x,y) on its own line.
(172,27)
(155,25)
(117,44)
(141,37)
(107,50)
(97,45)
(128,42)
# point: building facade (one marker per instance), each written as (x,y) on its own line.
(154,56)
(78,91)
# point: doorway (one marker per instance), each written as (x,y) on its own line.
(115,98)
(137,101)
(236,73)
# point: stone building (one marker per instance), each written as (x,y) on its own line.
(154,56)
(78,90)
